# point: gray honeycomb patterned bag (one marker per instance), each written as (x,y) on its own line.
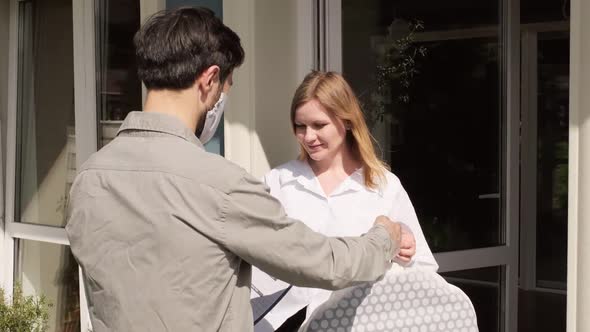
(404,300)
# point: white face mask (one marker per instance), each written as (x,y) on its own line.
(212,119)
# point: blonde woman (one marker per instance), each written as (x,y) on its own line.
(338,184)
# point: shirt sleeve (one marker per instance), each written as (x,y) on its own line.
(256,228)
(403,211)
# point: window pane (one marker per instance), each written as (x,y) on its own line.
(118,88)
(552,159)
(541,311)
(484,287)
(429,76)
(534,11)
(46,160)
(50,269)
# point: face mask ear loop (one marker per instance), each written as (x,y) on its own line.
(212,119)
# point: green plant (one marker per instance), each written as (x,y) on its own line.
(23,313)
(396,69)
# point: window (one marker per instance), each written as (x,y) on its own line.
(42,165)
(75,81)
(119,88)
(429,76)
(432,77)
(52,129)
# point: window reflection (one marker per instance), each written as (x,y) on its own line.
(438,117)
(118,87)
(552,159)
(50,270)
(484,287)
(46,158)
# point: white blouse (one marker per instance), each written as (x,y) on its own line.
(350,210)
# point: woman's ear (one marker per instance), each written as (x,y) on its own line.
(347,124)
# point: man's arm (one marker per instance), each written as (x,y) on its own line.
(256,228)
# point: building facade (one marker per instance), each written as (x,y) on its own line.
(478,106)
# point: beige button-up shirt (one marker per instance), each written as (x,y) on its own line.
(166,234)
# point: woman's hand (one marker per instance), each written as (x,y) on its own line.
(407,246)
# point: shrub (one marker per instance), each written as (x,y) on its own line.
(23,313)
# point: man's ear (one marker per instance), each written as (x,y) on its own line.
(208,77)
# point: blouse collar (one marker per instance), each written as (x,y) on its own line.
(303,174)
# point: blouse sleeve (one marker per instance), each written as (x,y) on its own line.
(403,211)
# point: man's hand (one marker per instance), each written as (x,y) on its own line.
(407,246)
(393,228)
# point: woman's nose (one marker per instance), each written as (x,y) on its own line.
(310,135)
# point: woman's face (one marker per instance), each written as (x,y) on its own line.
(320,133)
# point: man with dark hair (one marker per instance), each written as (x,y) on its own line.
(172,48)
(164,231)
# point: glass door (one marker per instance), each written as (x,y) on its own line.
(470,108)
(437,80)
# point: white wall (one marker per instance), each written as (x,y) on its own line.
(258,134)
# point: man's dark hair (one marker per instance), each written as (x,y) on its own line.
(175,46)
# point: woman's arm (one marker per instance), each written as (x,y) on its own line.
(403,212)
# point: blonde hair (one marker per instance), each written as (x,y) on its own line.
(332,91)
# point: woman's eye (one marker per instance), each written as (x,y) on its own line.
(299,126)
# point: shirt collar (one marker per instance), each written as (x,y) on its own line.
(304,175)
(356,182)
(158,122)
